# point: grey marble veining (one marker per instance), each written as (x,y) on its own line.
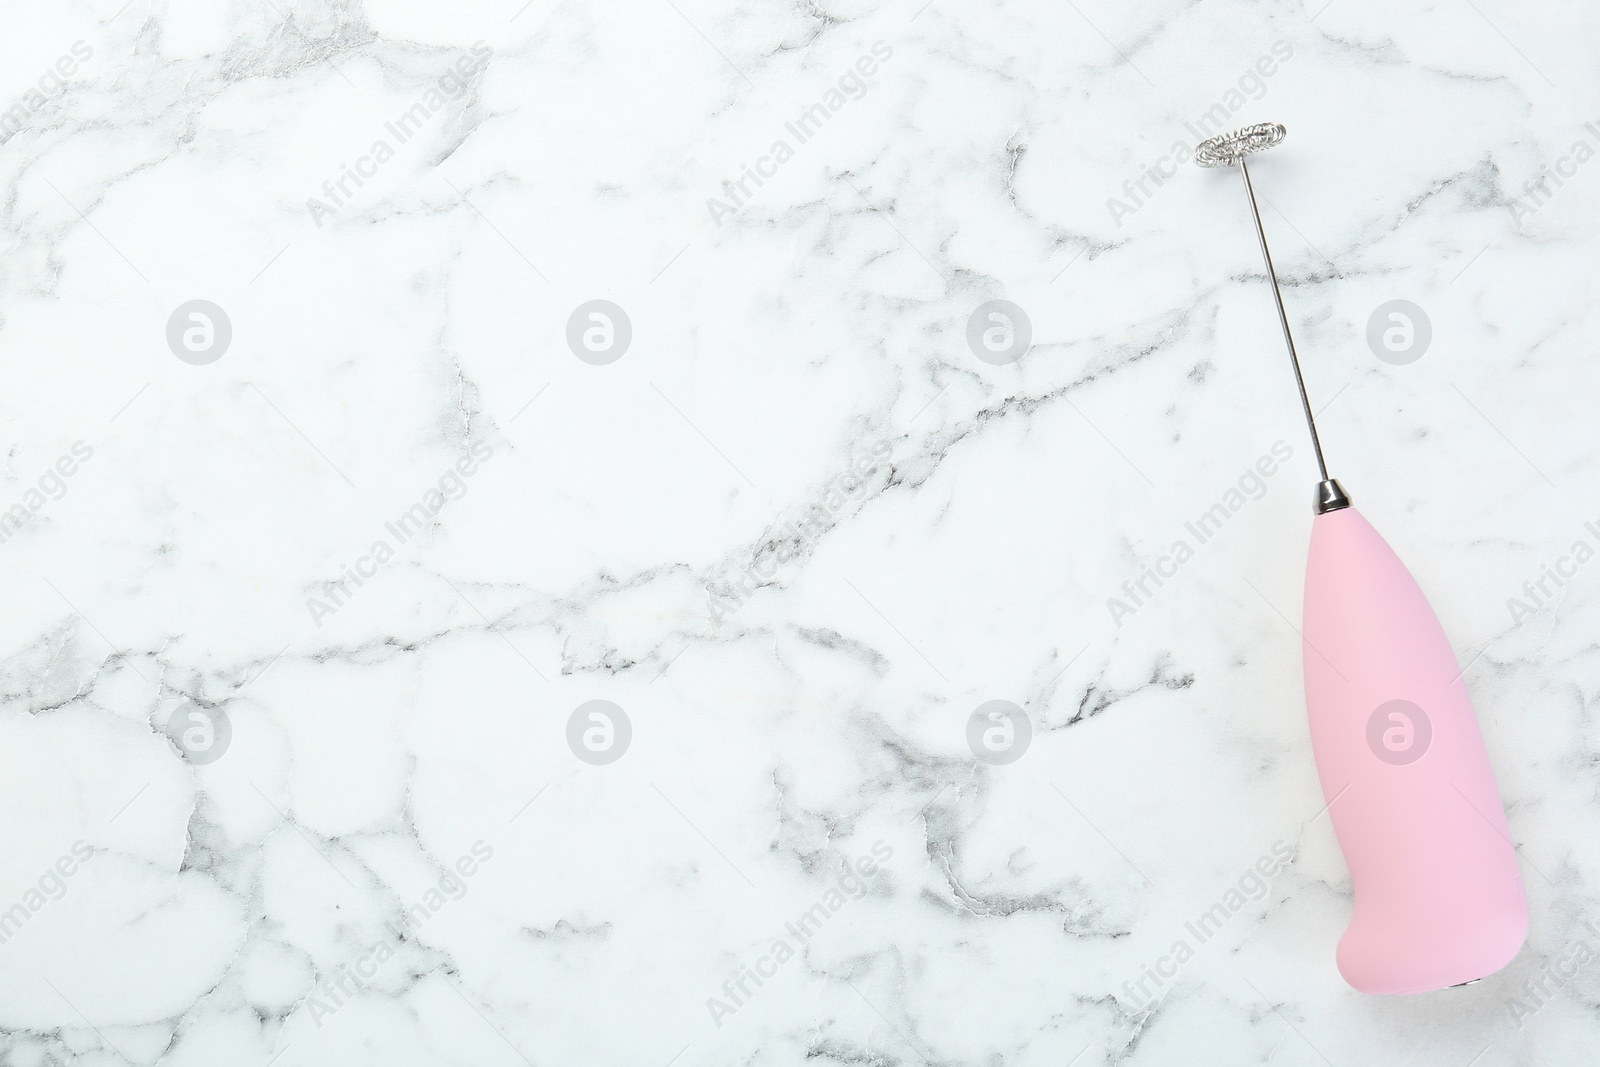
(312,587)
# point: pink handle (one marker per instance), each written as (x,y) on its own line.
(1438,897)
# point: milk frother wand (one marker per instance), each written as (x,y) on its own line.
(1439,899)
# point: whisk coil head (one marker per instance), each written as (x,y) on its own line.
(1226,149)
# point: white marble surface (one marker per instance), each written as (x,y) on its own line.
(776,343)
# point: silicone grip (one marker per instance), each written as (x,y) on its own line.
(1438,895)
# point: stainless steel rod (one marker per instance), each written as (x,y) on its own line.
(1283,319)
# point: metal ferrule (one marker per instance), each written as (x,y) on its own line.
(1330,497)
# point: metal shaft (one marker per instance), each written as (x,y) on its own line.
(1283,320)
